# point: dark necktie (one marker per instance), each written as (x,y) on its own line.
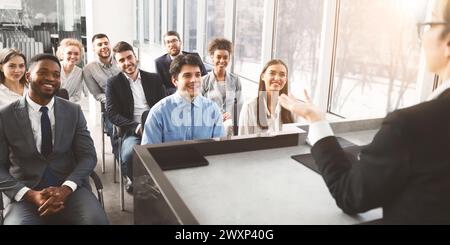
(192,122)
(47,147)
(46,132)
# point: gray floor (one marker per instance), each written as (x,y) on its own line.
(111,189)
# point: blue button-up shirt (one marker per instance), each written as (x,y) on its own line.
(177,119)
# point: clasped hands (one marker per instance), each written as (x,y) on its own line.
(49,200)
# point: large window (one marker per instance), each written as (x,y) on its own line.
(190,25)
(146,21)
(248,42)
(157,21)
(215,22)
(172,15)
(297,42)
(377,56)
(39,20)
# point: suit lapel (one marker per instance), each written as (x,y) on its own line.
(125,85)
(59,123)
(168,60)
(146,86)
(23,120)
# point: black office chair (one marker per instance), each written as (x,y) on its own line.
(119,133)
(104,131)
(97,183)
(144,118)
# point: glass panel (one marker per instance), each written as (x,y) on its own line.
(158,22)
(46,22)
(146,21)
(190,25)
(215,23)
(297,42)
(172,15)
(69,12)
(137,26)
(41,15)
(377,57)
(249,23)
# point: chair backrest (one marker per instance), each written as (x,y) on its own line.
(144,118)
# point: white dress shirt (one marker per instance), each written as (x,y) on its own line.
(140,102)
(35,120)
(7,96)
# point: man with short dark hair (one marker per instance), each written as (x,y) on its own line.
(128,95)
(47,153)
(172,42)
(97,72)
(186,114)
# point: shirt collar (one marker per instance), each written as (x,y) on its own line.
(179,99)
(173,57)
(439,90)
(131,79)
(103,65)
(35,106)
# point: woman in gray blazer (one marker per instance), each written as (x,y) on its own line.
(221,86)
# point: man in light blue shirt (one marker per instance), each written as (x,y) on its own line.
(186,114)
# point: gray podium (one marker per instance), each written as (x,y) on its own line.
(249,180)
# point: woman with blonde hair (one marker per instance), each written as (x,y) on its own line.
(13,84)
(70,52)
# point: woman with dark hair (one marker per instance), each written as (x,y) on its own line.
(221,86)
(13,84)
(262,113)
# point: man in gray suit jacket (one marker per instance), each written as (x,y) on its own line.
(47,154)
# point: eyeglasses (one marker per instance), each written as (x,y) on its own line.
(172,41)
(425,26)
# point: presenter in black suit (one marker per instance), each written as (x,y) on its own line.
(406,168)
(128,95)
(172,42)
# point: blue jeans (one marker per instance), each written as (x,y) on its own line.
(130,139)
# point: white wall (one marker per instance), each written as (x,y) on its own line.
(115,18)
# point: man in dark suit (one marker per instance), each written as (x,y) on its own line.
(47,152)
(172,42)
(406,168)
(128,95)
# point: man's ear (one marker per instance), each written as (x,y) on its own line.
(174,81)
(447,46)
(27,76)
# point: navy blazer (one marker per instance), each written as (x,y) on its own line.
(405,170)
(120,102)
(163,65)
